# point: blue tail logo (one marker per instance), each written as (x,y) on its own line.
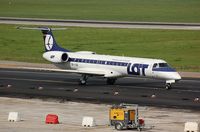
(48,42)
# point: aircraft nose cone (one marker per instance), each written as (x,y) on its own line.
(177,76)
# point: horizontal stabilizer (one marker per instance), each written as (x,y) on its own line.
(49,40)
(40,28)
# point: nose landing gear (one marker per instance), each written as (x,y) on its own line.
(168,84)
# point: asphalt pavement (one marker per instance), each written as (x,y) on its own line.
(64,86)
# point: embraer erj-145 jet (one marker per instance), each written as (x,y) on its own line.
(89,63)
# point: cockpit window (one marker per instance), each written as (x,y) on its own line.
(155,65)
(163,65)
(160,65)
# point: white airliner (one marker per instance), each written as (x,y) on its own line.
(89,63)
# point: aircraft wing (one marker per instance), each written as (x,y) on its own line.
(79,71)
(90,71)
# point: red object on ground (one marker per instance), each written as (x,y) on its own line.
(141,121)
(52,119)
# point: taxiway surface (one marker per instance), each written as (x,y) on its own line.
(64,86)
(100,24)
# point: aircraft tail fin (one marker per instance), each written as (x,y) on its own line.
(49,40)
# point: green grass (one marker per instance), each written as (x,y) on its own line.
(178,47)
(121,10)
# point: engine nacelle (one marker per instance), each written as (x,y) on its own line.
(56,56)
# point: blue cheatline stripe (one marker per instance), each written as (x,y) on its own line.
(164,69)
(102,62)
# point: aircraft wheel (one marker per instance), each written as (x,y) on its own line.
(119,126)
(82,82)
(168,86)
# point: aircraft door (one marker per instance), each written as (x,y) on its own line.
(155,65)
(148,71)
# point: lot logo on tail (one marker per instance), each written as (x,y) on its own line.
(49,42)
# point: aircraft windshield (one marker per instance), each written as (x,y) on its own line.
(163,65)
(159,65)
(155,65)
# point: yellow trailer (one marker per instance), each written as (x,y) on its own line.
(125,118)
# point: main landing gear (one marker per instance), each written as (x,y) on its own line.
(111,81)
(168,86)
(83,80)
